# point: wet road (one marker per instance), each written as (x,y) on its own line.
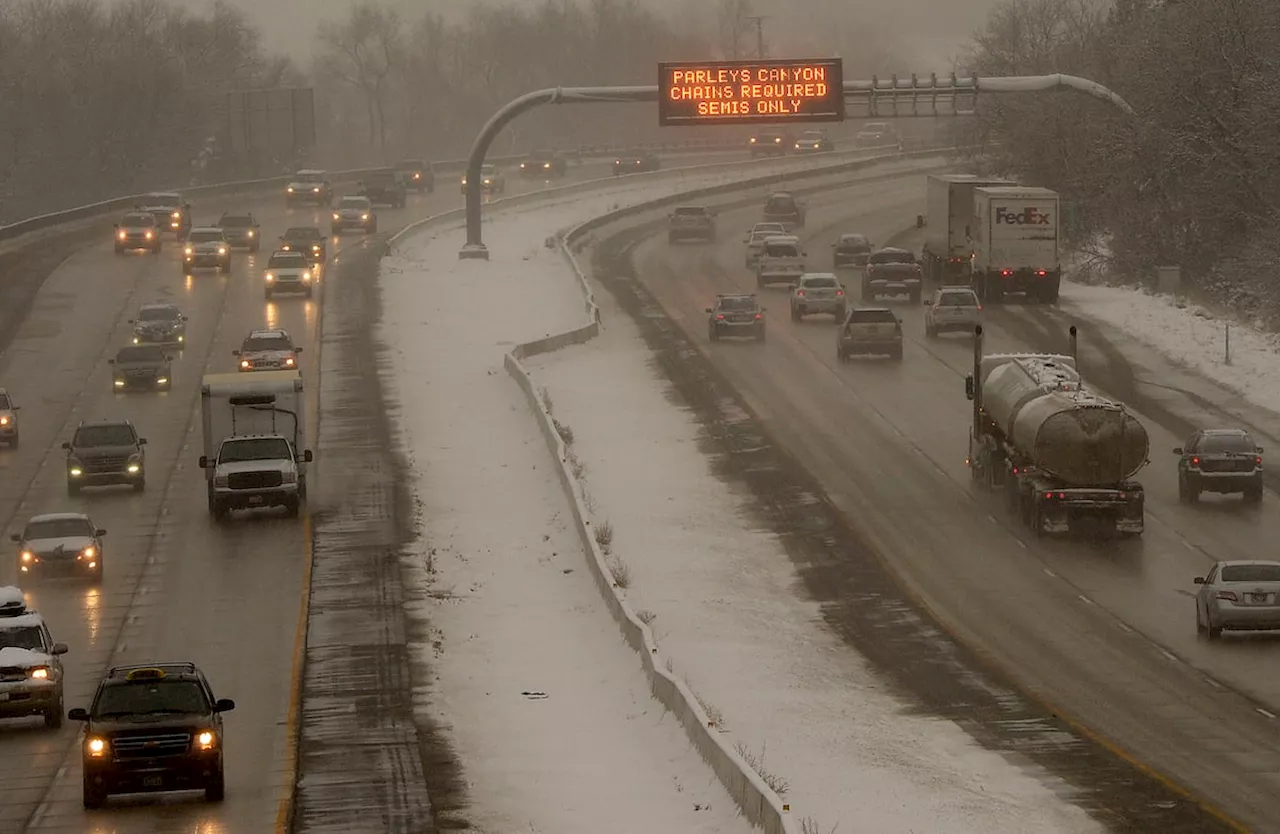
(176,587)
(1106,632)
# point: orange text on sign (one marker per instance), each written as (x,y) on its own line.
(746,91)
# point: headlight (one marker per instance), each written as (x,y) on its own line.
(164,380)
(289,477)
(119,383)
(290,189)
(189,251)
(464,180)
(122,234)
(40,673)
(289,362)
(315,247)
(417,176)
(269,277)
(335,216)
(133,469)
(306,276)
(28,556)
(364,217)
(96,747)
(89,552)
(546,165)
(220,480)
(488,182)
(315,191)
(4,419)
(75,470)
(251,233)
(177,214)
(246,364)
(148,235)
(206,740)
(222,250)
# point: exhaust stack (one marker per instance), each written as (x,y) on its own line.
(976,381)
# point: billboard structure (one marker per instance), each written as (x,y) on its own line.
(751,92)
(270,123)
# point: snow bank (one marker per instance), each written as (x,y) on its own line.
(553,719)
(1188,335)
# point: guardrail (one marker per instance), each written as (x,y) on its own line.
(120,204)
(757,801)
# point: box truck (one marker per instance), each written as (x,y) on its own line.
(949,202)
(1015,243)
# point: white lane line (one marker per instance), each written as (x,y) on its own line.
(1048,572)
(1124,627)
(993,520)
(1264,712)
(1213,683)
(1169,655)
(1084,599)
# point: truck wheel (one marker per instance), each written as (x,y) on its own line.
(93,797)
(795,313)
(291,508)
(1253,494)
(73,488)
(896,354)
(216,790)
(53,715)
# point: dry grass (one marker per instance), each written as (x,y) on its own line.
(809,825)
(547,402)
(604,535)
(562,429)
(714,715)
(620,571)
(775,782)
(646,616)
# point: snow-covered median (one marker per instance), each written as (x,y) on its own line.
(549,710)
(1189,335)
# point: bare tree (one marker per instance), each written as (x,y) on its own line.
(732,18)
(363,51)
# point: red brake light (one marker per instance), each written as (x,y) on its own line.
(720,317)
(1048,496)
(1231,595)
(839,292)
(1015,470)
(759,315)
(979,308)
(1006,272)
(1062,495)
(1257,461)
(1195,461)
(799,292)
(1042,273)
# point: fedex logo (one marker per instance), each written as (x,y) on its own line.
(1030,216)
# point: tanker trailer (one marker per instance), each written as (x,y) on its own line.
(1065,456)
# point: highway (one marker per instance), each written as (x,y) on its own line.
(1104,632)
(176,586)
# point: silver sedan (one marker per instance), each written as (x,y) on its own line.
(1238,596)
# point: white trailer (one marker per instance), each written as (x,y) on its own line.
(1015,243)
(258,403)
(949,207)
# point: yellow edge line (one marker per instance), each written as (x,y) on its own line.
(284,809)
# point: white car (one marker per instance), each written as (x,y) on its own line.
(256,472)
(782,261)
(353,212)
(310,185)
(288,272)
(32,683)
(819,292)
(206,247)
(756,237)
(952,309)
(267,350)
(60,544)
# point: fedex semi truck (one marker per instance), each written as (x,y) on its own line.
(949,203)
(1015,243)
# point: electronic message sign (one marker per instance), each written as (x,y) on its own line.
(751,92)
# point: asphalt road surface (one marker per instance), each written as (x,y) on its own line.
(1105,632)
(176,586)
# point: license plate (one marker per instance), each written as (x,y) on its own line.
(255,499)
(1258,597)
(152,781)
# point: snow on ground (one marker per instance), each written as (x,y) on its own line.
(548,708)
(728,614)
(1189,335)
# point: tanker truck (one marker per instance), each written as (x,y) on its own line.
(1064,456)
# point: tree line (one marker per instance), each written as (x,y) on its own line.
(1189,181)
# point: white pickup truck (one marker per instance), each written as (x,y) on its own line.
(256,471)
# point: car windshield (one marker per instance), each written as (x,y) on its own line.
(958,299)
(781,250)
(162,200)
(353,203)
(304,233)
(821,283)
(287,260)
(138,219)
(1250,573)
(875,127)
(6,404)
(889,257)
(22,637)
(258,343)
(141,353)
(854,244)
(865,316)
(488,170)
(411,165)
(780,204)
(1223,443)
(58,528)
(150,697)
(691,211)
(738,305)
(811,134)
(258,448)
(308,176)
(236,220)
(158,314)
(206,236)
(104,436)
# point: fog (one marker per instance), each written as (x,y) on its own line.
(924,35)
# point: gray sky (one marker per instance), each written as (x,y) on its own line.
(926,32)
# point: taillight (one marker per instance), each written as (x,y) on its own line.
(1015,470)
(759,316)
(799,292)
(979,308)
(1048,496)
(1042,273)
(1257,461)
(839,292)
(1006,272)
(1195,461)
(720,317)
(1230,595)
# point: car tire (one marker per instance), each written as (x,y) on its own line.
(930,332)
(140,485)
(217,509)
(308,293)
(73,488)
(334,230)
(1212,631)
(13,441)
(53,715)
(373,230)
(1183,492)
(119,250)
(760,334)
(896,354)
(225,269)
(292,508)
(713,334)
(253,247)
(1253,494)
(1200,628)
(795,313)
(93,797)
(216,789)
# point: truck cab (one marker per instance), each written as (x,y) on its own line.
(256,471)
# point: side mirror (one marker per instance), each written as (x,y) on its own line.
(111,361)
(235,353)
(78,714)
(100,532)
(708,310)
(297,350)
(1199,580)
(928,303)
(204,461)
(1177,450)
(307,456)
(184,318)
(19,408)
(58,648)
(919,221)
(224,705)
(67,446)
(969,390)
(1259,449)
(15,537)
(115,225)
(142,441)
(132,321)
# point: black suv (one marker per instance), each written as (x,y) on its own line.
(770,143)
(1222,461)
(105,452)
(384,188)
(152,728)
(308,240)
(242,230)
(739,314)
(417,174)
(545,164)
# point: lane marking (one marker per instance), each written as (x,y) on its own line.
(1264,712)
(1212,682)
(1124,626)
(1049,573)
(1084,599)
(1169,655)
(284,808)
